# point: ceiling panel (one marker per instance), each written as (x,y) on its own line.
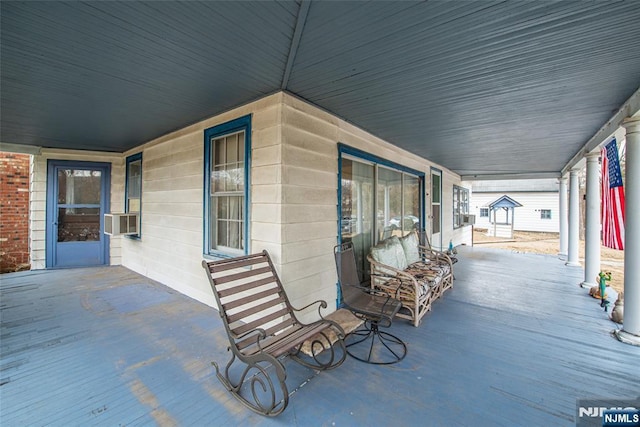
(482,88)
(474,86)
(105,75)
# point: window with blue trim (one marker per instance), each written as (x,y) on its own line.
(227,149)
(133,187)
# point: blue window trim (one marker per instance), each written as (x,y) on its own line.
(239,124)
(355,152)
(129,160)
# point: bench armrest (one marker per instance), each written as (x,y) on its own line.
(380,270)
(435,255)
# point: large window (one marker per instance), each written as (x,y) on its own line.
(227,149)
(460,205)
(133,188)
(377,199)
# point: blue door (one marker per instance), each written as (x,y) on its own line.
(77,199)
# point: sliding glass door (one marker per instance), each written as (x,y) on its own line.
(357,208)
(376,202)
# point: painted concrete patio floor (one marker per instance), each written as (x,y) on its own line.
(515,342)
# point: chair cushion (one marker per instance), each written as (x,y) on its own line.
(422,266)
(391,253)
(410,247)
(407,293)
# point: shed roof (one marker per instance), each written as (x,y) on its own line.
(504,202)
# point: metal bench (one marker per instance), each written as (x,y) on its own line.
(263,329)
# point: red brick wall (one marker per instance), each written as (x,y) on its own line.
(14,212)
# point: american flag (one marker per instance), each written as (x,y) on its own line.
(612,211)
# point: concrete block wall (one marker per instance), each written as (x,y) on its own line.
(14,212)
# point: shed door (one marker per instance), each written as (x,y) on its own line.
(77,194)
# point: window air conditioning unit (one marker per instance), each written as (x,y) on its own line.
(468,219)
(118,224)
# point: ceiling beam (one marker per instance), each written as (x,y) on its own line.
(295,41)
(20,148)
(628,109)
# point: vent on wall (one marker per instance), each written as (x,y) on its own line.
(118,224)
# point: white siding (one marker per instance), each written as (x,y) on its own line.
(294,179)
(171,246)
(310,179)
(527,217)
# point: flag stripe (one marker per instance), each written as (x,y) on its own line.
(612,191)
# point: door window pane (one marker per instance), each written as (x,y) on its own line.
(78,224)
(435,219)
(79,187)
(435,189)
(436,223)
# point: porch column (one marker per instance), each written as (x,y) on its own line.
(592,223)
(574,219)
(630,332)
(564,220)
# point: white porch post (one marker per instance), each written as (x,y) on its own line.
(592,225)
(630,332)
(564,219)
(574,218)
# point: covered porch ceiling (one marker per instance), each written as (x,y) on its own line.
(487,88)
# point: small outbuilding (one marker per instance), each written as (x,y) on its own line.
(501,215)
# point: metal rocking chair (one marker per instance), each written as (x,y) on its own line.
(376,308)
